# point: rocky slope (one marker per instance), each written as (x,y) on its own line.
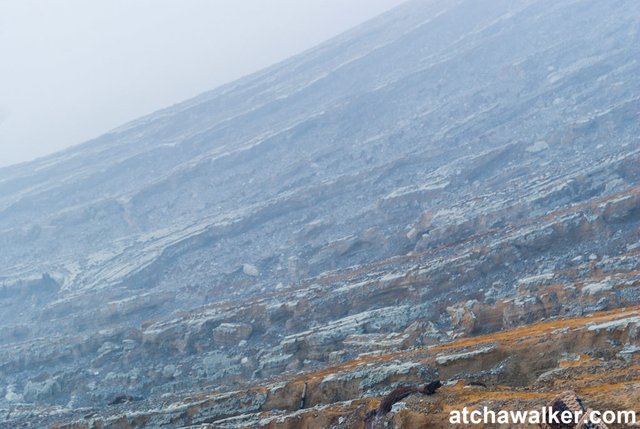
(451,190)
(594,355)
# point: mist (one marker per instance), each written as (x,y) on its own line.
(438,209)
(72,69)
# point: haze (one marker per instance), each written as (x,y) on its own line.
(71,69)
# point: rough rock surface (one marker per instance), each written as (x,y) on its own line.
(451,190)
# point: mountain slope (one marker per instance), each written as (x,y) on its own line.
(447,169)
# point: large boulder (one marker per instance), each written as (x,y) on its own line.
(463,318)
(42,391)
(229,334)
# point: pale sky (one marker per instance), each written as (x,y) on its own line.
(71,70)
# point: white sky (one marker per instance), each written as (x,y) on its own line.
(71,70)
